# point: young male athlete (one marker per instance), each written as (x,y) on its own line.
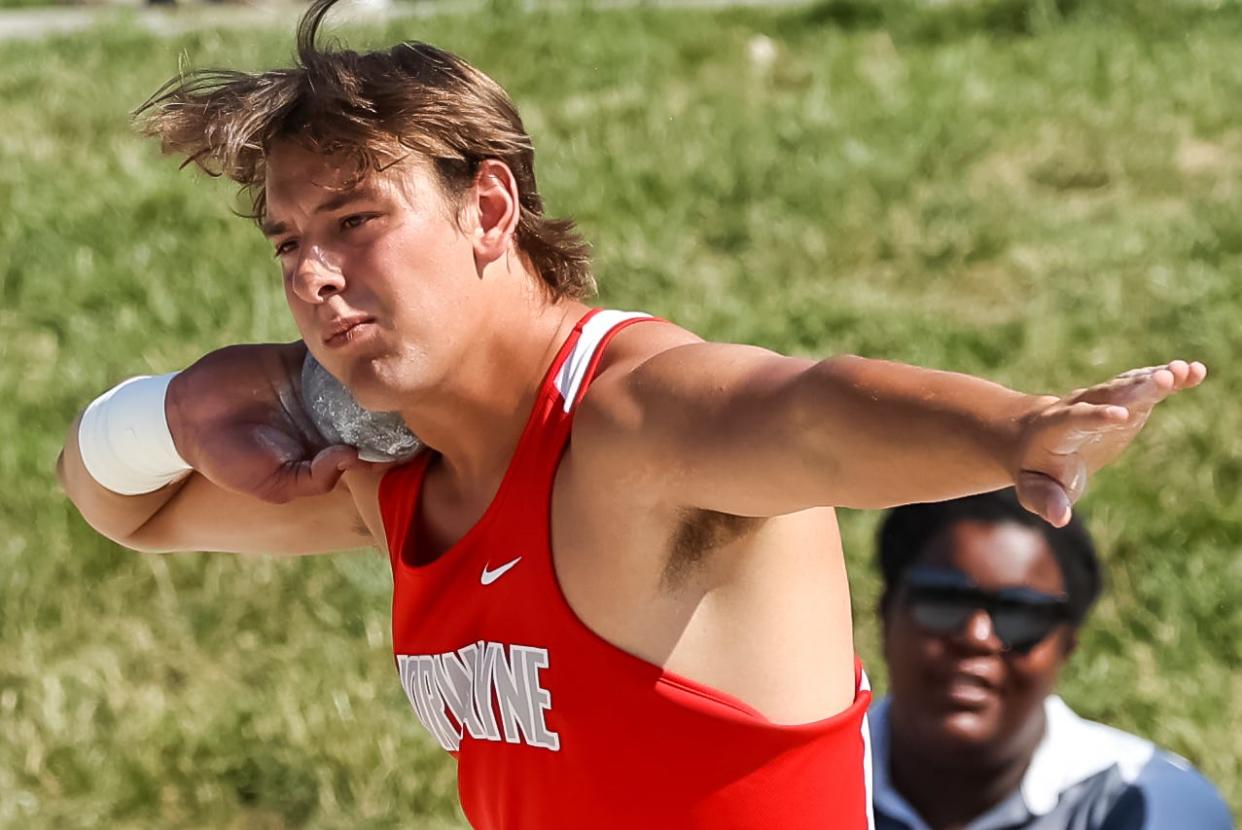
(619,594)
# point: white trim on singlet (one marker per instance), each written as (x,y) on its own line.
(868,781)
(573,371)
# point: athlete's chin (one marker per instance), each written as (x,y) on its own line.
(378,388)
(373,394)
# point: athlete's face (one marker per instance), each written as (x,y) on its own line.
(381,280)
(963,694)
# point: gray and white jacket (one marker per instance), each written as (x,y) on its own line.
(1083,776)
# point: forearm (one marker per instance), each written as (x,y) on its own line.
(115,516)
(888,433)
(212,458)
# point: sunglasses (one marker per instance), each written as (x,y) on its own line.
(942,601)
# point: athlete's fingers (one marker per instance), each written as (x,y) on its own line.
(1089,416)
(1070,427)
(1179,369)
(1195,375)
(1185,375)
(1141,389)
(1143,371)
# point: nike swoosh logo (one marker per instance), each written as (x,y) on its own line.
(489,577)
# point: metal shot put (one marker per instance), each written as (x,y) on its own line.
(378,436)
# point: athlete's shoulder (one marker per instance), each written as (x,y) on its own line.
(610,392)
(634,345)
(608,421)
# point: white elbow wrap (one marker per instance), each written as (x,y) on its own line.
(124,438)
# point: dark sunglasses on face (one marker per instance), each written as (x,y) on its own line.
(943,600)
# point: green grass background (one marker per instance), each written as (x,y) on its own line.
(1043,193)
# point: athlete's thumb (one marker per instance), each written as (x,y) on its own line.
(315,476)
(1044,496)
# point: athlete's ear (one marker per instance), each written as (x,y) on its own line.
(496,206)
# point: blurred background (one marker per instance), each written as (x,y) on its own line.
(1044,192)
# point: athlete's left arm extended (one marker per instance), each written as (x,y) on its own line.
(741,430)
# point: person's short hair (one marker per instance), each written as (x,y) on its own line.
(906,532)
(373,109)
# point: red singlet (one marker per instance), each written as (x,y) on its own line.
(552,726)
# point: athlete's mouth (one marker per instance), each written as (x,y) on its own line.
(344,329)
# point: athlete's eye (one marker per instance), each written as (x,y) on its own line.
(356,220)
(286,247)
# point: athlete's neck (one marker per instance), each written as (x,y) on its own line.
(949,790)
(477,415)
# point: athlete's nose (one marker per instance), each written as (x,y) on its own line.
(315,278)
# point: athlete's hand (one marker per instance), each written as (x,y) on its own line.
(1065,440)
(236,417)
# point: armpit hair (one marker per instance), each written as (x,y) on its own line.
(699,533)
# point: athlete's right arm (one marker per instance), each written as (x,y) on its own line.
(259,483)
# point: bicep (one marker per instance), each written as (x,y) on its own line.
(205,517)
(711,425)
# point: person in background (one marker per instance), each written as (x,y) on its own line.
(981,608)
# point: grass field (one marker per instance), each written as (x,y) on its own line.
(1045,193)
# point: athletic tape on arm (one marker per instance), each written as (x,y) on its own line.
(124,438)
